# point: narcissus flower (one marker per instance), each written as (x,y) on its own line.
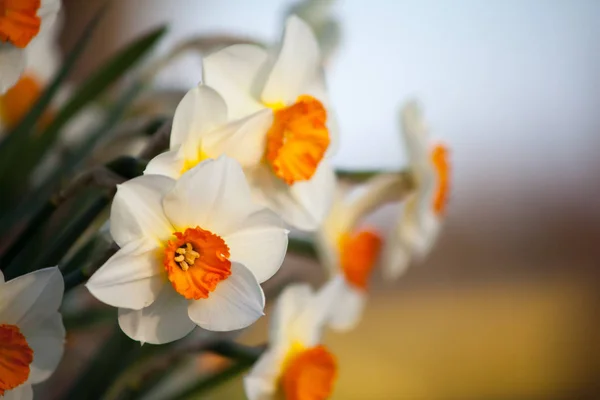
(21,22)
(193,252)
(42,62)
(284,129)
(32,333)
(425,207)
(348,249)
(296,365)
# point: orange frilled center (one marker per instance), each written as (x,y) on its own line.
(297,140)
(309,375)
(15,358)
(441,164)
(19,99)
(358,254)
(196,261)
(19,22)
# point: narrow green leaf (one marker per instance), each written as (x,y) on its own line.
(90,89)
(36,200)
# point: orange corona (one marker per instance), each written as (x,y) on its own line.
(15,358)
(19,99)
(297,140)
(19,22)
(309,374)
(439,158)
(358,254)
(196,261)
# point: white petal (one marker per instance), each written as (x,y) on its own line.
(31,298)
(236,303)
(315,195)
(47,340)
(233,72)
(415,132)
(288,308)
(261,383)
(1,277)
(23,392)
(201,110)
(137,210)
(308,327)
(348,309)
(259,243)
(12,64)
(213,195)
(272,192)
(168,164)
(244,139)
(297,65)
(396,259)
(132,278)
(164,321)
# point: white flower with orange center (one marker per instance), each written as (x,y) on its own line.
(284,128)
(350,250)
(425,207)
(297,365)
(32,333)
(193,252)
(42,62)
(21,22)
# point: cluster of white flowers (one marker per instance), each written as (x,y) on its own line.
(207,223)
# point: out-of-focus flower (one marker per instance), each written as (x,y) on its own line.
(204,235)
(350,250)
(42,60)
(32,333)
(283,129)
(296,365)
(21,22)
(425,207)
(318,15)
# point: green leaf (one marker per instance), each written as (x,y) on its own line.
(35,201)
(90,89)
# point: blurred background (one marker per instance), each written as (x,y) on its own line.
(507,306)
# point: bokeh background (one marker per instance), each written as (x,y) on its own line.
(507,305)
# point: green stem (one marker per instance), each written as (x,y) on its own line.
(303,247)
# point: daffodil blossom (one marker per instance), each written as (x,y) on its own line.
(32,333)
(296,365)
(21,22)
(193,252)
(350,250)
(282,128)
(425,207)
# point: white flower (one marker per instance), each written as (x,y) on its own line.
(193,252)
(296,364)
(350,250)
(21,21)
(42,60)
(282,130)
(32,333)
(425,208)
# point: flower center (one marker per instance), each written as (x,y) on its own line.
(196,261)
(19,22)
(309,374)
(358,254)
(439,158)
(15,358)
(19,99)
(297,140)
